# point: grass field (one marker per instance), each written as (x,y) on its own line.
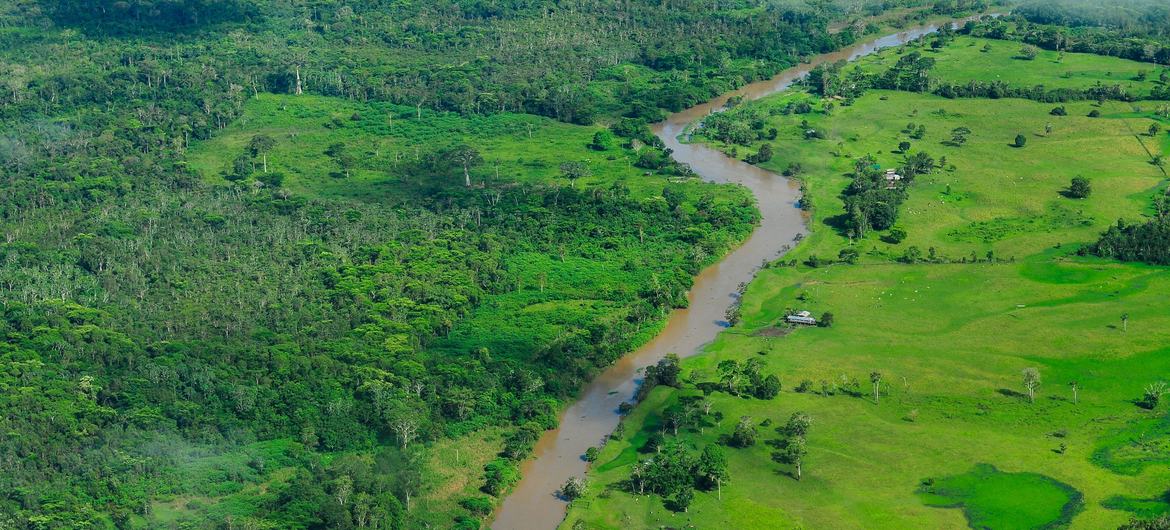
(386,140)
(972,58)
(949,338)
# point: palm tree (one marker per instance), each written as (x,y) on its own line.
(1076,387)
(876,379)
(1125,322)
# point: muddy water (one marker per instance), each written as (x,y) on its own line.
(533,505)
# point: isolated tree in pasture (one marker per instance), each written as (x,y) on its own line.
(731,374)
(876,379)
(1031,379)
(1080,188)
(1047,129)
(959,136)
(712,468)
(341,155)
(903,147)
(574,171)
(1152,395)
(744,434)
(1125,322)
(1020,141)
(792,453)
(1154,129)
(467,157)
(259,146)
(797,425)
(1076,388)
(1029,52)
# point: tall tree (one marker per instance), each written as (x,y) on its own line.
(467,157)
(1031,379)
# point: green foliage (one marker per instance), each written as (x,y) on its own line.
(1147,242)
(991,498)
(1080,188)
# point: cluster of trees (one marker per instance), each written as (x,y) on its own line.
(1003,89)
(1129,16)
(870,203)
(746,378)
(742,127)
(675,473)
(1067,26)
(1147,242)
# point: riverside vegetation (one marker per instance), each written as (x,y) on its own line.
(330,264)
(979,360)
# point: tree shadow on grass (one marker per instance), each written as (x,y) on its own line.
(1007,392)
(839,223)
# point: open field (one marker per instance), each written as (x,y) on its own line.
(950,333)
(387,142)
(971,58)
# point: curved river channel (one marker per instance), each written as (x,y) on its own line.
(559,455)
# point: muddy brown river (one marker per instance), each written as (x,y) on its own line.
(559,455)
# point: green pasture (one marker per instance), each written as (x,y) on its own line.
(972,58)
(950,338)
(991,196)
(389,141)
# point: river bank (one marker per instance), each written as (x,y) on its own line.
(584,424)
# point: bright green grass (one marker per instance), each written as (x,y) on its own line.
(949,339)
(1142,444)
(964,60)
(991,498)
(997,198)
(386,139)
(1146,508)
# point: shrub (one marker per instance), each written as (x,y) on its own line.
(478,506)
(895,236)
(573,488)
(1079,188)
(1021,141)
(1059,111)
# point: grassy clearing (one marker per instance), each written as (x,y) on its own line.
(388,140)
(996,197)
(950,339)
(972,58)
(991,498)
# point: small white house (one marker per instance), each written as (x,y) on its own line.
(804,318)
(892,179)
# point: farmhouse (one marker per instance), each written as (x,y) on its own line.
(803,317)
(892,179)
